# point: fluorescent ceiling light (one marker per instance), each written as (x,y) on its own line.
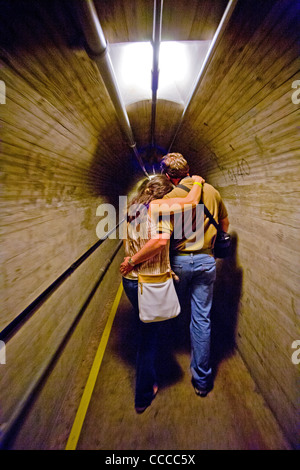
(179,65)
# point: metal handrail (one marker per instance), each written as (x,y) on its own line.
(8,429)
(17,322)
(210,53)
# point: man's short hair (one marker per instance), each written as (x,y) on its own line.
(174,165)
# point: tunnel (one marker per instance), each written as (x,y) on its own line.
(74,142)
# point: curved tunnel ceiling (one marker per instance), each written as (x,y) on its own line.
(44,43)
(52,41)
(179,66)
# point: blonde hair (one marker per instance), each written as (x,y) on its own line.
(174,165)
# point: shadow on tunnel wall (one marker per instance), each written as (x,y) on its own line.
(174,334)
(225,307)
(111,175)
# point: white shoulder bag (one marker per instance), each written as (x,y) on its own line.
(157,297)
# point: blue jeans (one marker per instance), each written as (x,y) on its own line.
(197,273)
(146,350)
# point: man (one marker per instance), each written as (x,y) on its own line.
(193,262)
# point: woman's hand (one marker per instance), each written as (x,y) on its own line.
(161,206)
(198,179)
(195,193)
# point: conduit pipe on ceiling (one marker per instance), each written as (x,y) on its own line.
(210,53)
(96,47)
(156,40)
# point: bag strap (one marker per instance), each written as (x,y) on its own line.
(206,211)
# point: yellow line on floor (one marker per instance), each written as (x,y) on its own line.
(87,393)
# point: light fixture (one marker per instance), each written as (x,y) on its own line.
(179,65)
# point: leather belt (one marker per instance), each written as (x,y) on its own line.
(207,251)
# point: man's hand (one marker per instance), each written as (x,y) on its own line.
(224,224)
(125,267)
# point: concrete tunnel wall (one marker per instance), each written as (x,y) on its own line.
(63,154)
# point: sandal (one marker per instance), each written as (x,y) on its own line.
(201,392)
(141,409)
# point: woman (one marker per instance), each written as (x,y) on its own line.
(141,226)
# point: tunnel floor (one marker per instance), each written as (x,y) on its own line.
(233,416)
